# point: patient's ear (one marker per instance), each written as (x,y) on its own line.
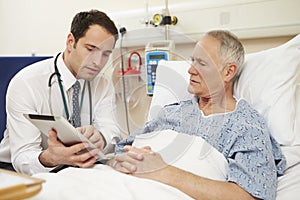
(229,72)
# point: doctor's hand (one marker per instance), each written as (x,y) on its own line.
(59,154)
(93,135)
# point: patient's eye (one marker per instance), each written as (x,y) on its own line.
(202,63)
(198,61)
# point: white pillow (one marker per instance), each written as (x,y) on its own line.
(171,84)
(188,152)
(270,81)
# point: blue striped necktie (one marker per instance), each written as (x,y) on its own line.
(76,122)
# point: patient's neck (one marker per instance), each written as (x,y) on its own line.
(214,105)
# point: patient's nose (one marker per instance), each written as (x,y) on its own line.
(192,70)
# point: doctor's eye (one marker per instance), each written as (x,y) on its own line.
(106,53)
(90,48)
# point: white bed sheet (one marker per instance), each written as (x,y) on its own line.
(102,182)
(289,184)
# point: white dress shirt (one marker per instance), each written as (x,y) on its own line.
(28,92)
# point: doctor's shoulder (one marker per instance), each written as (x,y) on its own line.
(36,69)
(41,69)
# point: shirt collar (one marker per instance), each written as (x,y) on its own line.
(66,76)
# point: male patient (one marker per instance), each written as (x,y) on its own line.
(231,126)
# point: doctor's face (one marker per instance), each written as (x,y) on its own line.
(205,78)
(91,52)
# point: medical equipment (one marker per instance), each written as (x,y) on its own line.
(128,84)
(163,19)
(132,70)
(56,73)
(154,52)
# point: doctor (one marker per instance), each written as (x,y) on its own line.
(46,88)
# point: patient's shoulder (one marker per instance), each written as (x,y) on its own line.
(172,104)
(245,107)
(247,114)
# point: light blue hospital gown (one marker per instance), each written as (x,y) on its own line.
(242,136)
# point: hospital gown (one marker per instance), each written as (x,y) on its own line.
(242,136)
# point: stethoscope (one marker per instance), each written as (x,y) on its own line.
(56,73)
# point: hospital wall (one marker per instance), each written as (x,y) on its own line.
(40,28)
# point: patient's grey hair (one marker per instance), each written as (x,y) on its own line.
(231,50)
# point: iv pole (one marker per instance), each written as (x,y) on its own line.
(167,13)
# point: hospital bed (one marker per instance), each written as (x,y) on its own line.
(270,81)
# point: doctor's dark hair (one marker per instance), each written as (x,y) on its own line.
(83,20)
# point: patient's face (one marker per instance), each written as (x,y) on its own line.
(205,79)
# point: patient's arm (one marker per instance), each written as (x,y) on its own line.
(147,164)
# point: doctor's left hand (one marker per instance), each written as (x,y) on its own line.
(91,133)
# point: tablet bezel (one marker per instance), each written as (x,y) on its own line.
(66,133)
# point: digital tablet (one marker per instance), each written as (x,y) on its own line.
(66,133)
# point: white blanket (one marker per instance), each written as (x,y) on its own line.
(102,182)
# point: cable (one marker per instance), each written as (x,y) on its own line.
(123,31)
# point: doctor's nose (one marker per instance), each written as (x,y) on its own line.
(96,58)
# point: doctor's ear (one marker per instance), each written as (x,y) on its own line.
(70,44)
(229,71)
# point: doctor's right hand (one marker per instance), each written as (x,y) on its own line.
(59,154)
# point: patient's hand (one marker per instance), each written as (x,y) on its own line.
(141,162)
(145,149)
(93,135)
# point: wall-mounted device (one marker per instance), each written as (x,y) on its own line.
(161,19)
(154,52)
(132,70)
